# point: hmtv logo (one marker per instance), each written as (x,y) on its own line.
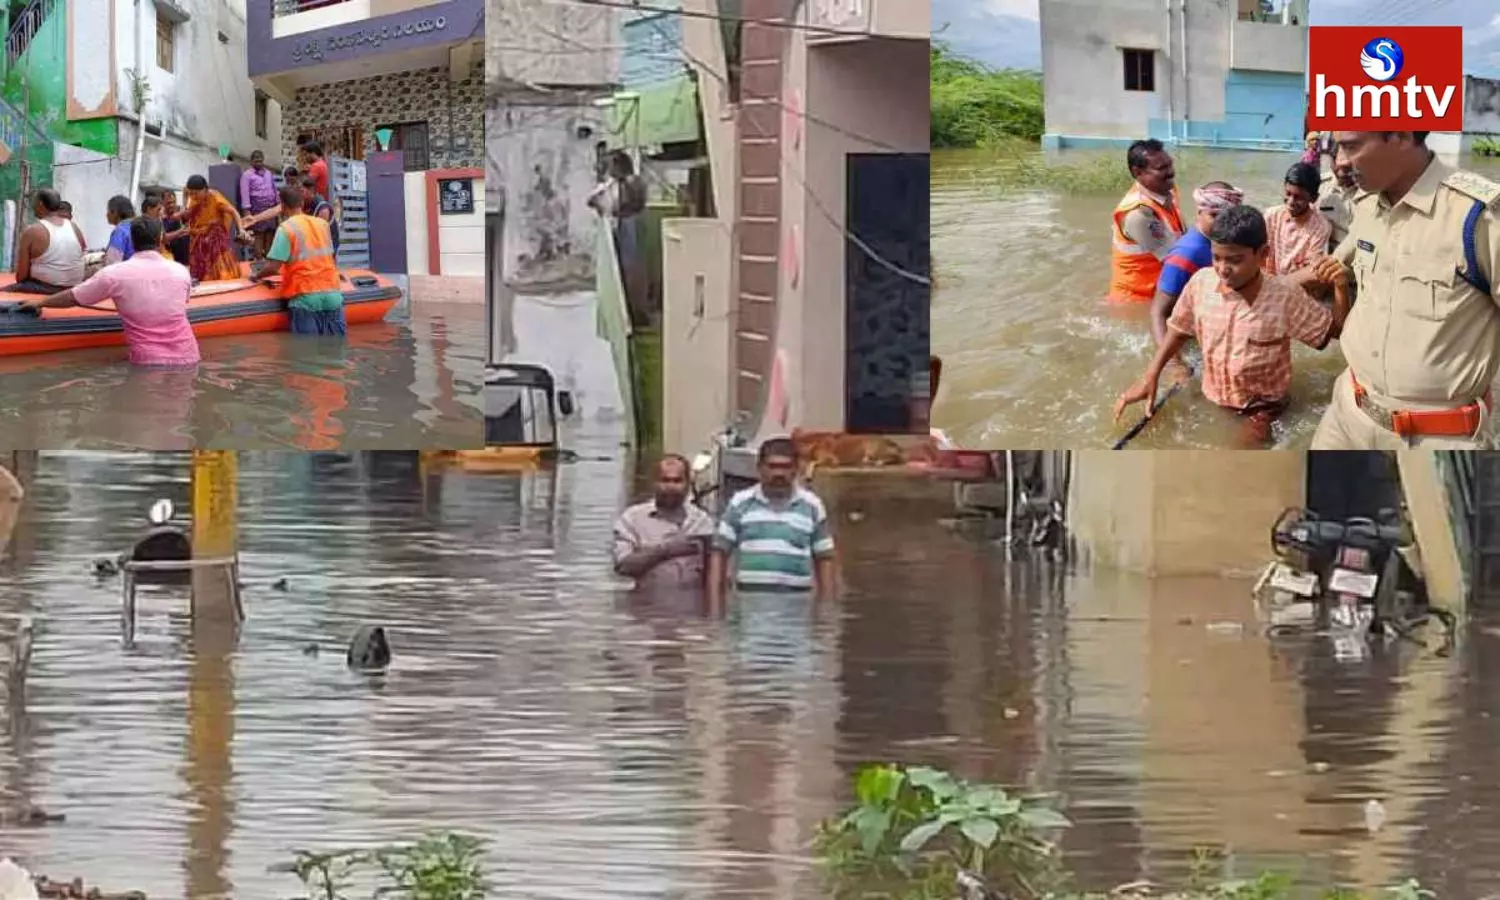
(1369,78)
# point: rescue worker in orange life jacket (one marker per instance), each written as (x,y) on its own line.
(303,253)
(1146,223)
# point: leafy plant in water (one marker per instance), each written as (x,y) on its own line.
(914,829)
(439,866)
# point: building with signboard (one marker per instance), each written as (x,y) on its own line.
(393,91)
(74,73)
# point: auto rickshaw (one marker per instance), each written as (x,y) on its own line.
(521,406)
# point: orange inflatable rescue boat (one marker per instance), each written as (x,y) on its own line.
(217,309)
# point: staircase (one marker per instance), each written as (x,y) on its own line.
(25,28)
(22,31)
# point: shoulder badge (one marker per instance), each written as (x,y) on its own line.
(1476,186)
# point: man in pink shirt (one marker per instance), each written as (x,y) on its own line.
(150,294)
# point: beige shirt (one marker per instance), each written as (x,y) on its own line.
(643,525)
(1419,332)
(1336,203)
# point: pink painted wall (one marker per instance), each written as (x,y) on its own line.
(862,96)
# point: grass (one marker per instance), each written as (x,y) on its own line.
(1486,146)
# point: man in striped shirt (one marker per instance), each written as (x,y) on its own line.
(777,533)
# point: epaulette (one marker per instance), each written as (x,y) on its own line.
(1474,186)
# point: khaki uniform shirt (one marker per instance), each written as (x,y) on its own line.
(1336,203)
(1419,332)
(643,525)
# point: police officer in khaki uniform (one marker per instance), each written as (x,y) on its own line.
(1337,194)
(1423,339)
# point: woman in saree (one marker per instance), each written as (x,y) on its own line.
(212,223)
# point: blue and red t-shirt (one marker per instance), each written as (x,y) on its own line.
(1191,253)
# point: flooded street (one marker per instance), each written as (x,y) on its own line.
(615,747)
(1033,355)
(408,382)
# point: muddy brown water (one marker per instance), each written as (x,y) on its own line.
(1033,356)
(412,381)
(620,747)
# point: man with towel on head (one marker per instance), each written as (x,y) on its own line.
(1190,253)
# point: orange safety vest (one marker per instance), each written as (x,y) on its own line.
(1133,270)
(311,268)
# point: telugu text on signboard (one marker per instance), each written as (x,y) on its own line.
(455,196)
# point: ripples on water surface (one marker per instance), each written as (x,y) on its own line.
(1033,356)
(412,382)
(616,747)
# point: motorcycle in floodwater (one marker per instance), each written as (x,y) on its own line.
(1348,579)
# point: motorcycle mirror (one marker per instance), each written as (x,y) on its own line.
(161,512)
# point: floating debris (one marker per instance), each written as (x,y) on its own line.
(30,816)
(369,651)
(1374,815)
(280,585)
(47,889)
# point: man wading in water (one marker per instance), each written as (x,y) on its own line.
(661,543)
(777,533)
(1147,222)
(1245,321)
(1192,252)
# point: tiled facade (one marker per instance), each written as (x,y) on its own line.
(424,95)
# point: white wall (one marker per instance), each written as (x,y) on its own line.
(208,100)
(1083,69)
(461,238)
(414,186)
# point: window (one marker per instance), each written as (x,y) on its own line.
(166,43)
(262,114)
(1140,70)
(411,139)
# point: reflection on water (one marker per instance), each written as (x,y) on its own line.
(1033,357)
(400,384)
(612,745)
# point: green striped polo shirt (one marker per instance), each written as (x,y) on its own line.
(774,545)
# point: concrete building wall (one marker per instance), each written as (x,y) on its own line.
(551,43)
(875,89)
(453,111)
(697,332)
(1481,105)
(1164,513)
(1217,79)
(206,102)
(541,151)
(461,238)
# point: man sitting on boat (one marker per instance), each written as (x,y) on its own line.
(119,212)
(212,223)
(51,252)
(303,253)
(150,294)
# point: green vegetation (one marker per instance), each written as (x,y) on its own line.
(914,833)
(440,866)
(974,105)
(1486,146)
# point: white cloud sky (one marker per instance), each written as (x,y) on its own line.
(1023,9)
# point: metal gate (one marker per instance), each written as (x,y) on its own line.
(351,201)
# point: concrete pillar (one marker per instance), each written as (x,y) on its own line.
(1432,521)
(1182,512)
(215,534)
(11,494)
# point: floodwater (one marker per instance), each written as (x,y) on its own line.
(617,747)
(412,381)
(1033,356)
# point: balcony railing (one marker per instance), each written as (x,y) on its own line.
(25,27)
(292,7)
